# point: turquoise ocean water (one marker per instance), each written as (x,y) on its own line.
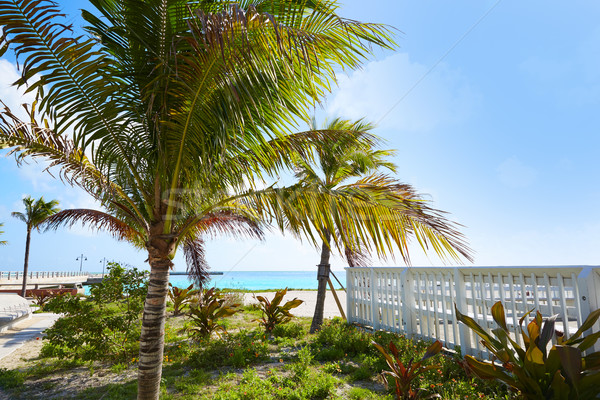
(260,280)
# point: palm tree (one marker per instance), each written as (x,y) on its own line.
(2,242)
(340,160)
(177,110)
(36,212)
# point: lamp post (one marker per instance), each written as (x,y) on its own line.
(81,259)
(103,261)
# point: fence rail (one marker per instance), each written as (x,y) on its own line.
(420,301)
(15,275)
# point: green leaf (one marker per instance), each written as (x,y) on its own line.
(591,361)
(499,316)
(470,322)
(570,358)
(560,388)
(588,341)
(432,350)
(534,355)
(587,324)
(488,370)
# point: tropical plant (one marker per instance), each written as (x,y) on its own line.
(42,297)
(181,297)
(273,313)
(2,242)
(206,312)
(170,113)
(562,372)
(36,213)
(406,377)
(354,166)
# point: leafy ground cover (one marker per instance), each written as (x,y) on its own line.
(338,362)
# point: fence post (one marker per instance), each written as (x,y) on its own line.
(374,306)
(461,304)
(408,302)
(349,296)
(589,298)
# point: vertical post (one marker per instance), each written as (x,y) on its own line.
(461,304)
(589,297)
(374,308)
(349,296)
(408,302)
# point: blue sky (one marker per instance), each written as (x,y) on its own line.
(493,107)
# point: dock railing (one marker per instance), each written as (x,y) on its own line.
(14,275)
(419,302)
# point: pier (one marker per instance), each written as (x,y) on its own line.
(41,279)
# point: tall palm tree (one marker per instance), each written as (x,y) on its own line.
(170,112)
(355,166)
(2,242)
(36,212)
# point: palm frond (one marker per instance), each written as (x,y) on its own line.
(96,220)
(357,258)
(2,242)
(195,257)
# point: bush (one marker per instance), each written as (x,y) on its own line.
(289,330)
(11,378)
(206,310)
(106,325)
(238,350)
(273,313)
(405,377)
(336,339)
(536,372)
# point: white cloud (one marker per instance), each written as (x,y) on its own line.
(514,174)
(9,94)
(441,97)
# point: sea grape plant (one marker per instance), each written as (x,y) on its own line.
(562,373)
(273,313)
(103,326)
(208,307)
(181,297)
(405,377)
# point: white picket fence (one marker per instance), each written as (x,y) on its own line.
(419,302)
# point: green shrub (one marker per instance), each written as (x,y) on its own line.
(237,350)
(560,373)
(11,378)
(106,325)
(206,311)
(273,313)
(336,340)
(300,369)
(289,330)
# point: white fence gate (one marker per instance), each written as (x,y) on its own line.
(419,302)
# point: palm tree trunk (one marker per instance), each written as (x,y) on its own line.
(26,263)
(153,321)
(323,277)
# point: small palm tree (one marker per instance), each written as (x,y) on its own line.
(36,212)
(354,166)
(2,242)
